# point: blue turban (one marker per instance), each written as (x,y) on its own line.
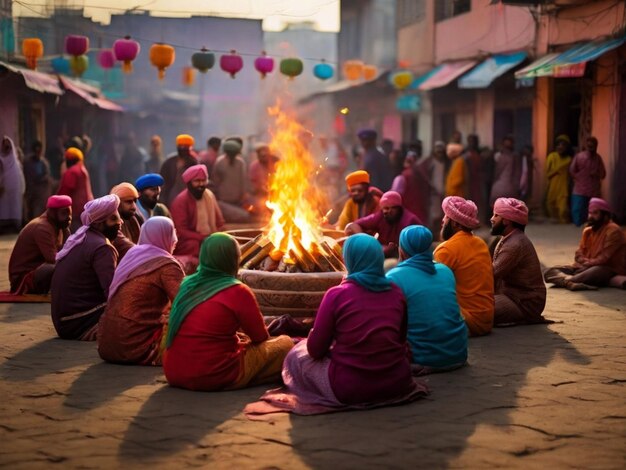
(149,181)
(367,134)
(415,241)
(364,259)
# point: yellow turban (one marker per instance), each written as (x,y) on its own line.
(357,177)
(73,154)
(184,140)
(125,191)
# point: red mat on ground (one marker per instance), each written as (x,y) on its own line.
(7,298)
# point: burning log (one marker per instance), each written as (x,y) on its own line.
(333,256)
(260,254)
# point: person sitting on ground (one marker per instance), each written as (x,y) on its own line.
(149,188)
(387,222)
(84,270)
(230,180)
(174,166)
(468,257)
(600,256)
(362,202)
(128,210)
(356,354)
(520,294)
(196,215)
(437,333)
(217,339)
(145,283)
(75,183)
(34,255)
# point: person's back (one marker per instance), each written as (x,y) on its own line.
(76,184)
(230,179)
(379,168)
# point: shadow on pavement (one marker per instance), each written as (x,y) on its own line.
(16,313)
(608,297)
(432,432)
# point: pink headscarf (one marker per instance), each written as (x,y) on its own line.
(462,211)
(596,203)
(195,172)
(157,240)
(97,210)
(391,199)
(511,209)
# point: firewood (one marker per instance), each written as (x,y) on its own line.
(254,250)
(250,243)
(269,264)
(256,259)
(332,256)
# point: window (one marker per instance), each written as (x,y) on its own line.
(445,9)
(410,11)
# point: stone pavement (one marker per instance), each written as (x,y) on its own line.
(533,397)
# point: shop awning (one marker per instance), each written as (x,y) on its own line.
(87,93)
(443,74)
(570,63)
(38,81)
(490,69)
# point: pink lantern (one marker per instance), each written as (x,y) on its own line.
(264,64)
(126,50)
(106,59)
(231,63)
(76,45)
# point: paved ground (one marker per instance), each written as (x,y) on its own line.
(534,397)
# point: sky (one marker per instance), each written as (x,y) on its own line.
(275,13)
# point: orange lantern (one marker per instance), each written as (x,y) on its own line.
(32,49)
(370,72)
(162,56)
(353,69)
(189,76)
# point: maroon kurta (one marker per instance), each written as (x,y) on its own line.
(387,233)
(76,184)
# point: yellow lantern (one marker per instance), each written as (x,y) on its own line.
(32,49)
(162,56)
(370,72)
(189,76)
(353,69)
(401,79)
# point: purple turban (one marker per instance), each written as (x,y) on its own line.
(391,199)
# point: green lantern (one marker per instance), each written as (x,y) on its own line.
(292,67)
(79,64)
(203,60)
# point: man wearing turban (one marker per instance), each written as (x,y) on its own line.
(75,183)
(33,257)
(468,257)
(149,188)
(196,215)
(230,180)
(259,175)
(174,166)
(601,256)
(363,201)
(520,294)
(128,210)
(84,270)
(387,222)
(374,161)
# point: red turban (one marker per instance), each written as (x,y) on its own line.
(58,202)
(391,199)
(462,211)
(357,177)
(195,172)
(511,209)
(599,204)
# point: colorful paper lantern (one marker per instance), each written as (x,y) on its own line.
(203,60)
(353,69)
(189,76)
(264,64)
(231,63)
(76,45)
(106,59)
(370,72)
(79,64)
(61,65)
(126,50)
(162,56)
(32,49)
(323,71)
(292,67)
(401,79)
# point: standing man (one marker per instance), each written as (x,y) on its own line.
(76,184)
(173,168)
(84,270)
(587,170)
(374,161)
(456,181)
(507,172)
(208,156)
(468,257)
(520,294)
(362,202)
(38,181)
(155,155)
(230,181)
(34,255)
(149,188)
(259,174)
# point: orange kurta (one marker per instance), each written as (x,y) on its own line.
(605,247)
(455,182)
(468,257)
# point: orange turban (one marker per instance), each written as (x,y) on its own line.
(125,191)
(184,140)
(357,177)
(73,154)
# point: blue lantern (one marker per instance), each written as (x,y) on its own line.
(61,65)
(323,71)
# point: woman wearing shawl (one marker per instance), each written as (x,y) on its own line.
(205,347)
(11,186)
(436,330)
(356,355)
(143,287)
(557,172)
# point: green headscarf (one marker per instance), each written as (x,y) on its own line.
(219,263)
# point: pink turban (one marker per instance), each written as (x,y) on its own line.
(599,204)
(58,202)
(462,211)
(391,199)
(195,172)
(511,209)
(95,211)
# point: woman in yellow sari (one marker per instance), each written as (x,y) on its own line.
(557,173)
